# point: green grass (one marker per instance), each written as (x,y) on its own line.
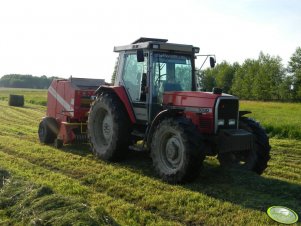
(282,120)
(25,203)
(43,185)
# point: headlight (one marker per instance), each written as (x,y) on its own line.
(221,122)
(232,122)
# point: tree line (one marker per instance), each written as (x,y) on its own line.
(264,78)
(25,81)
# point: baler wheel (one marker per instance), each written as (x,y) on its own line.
(48,130)
(177,150)
(255,160)
(109,128)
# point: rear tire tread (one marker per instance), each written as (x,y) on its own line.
(118,147)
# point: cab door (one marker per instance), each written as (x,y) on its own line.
(134,76)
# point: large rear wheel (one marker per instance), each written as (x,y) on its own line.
(176,150)
(108,128)
(256,159)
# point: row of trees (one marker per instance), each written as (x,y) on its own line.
(25,81)
(264,78)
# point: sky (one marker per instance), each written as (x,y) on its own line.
(63,37)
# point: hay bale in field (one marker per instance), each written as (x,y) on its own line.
(16,100)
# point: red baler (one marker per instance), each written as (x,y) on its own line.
(68,104)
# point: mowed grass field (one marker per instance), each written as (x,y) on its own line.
(41,185)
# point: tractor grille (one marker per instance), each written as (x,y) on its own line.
(227,112)
(228,108)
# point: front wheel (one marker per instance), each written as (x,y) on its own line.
(176,150)
(255,160)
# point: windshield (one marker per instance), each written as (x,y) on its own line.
(171,72)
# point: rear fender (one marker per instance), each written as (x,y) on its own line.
(168,113)
(121,93)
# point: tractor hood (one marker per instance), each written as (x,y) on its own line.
(191,99)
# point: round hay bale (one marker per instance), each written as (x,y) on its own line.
(16,100)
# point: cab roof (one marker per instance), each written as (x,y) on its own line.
(156,43)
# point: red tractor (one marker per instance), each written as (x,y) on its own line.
(155,99)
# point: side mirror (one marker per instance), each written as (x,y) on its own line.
(140,55)
(212,62)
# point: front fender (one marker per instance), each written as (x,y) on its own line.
(242,113)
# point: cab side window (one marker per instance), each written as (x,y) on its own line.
(133,72)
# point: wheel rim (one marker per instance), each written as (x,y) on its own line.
(103,128)
(171,151)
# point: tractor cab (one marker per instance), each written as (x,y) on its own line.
(150,67)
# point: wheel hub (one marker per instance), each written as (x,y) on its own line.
(173,151)
(107,127)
